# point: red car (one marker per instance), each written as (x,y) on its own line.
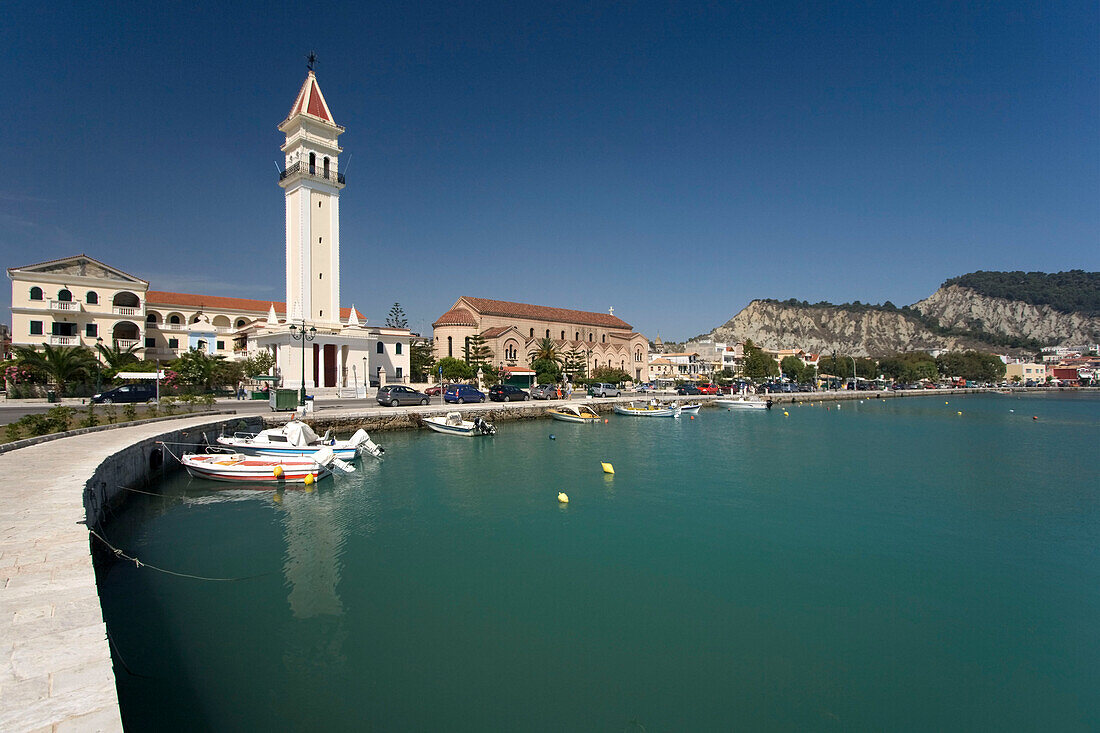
(708,389)
(433,391)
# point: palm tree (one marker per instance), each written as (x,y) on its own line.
(116,357)
(544,349)
(62,364)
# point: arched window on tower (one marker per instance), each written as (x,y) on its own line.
(397,348)
(313,164)
(450,346)
(326,166)
(381,348)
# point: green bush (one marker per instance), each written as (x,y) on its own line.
(59,417)
(13,432)
(90,418)
(129,412)
(36,424)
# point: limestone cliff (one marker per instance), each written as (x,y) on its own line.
(956,306)
(860,331)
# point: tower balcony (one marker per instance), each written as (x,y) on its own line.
(316,172)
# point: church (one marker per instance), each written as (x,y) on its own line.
(316,342)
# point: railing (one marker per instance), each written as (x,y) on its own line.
(64,305)
(125,310)
(64,340)
(312,171)
(126,343)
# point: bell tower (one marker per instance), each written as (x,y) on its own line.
(312,183)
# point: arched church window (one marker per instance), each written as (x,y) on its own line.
(326,166)
(532,330)
(397,349)
(450,347)
(241,322)
(563,335)
(381,348)
(604,338)
(548,333)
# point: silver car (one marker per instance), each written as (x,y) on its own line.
(398,394)
(545,392)
(604,390)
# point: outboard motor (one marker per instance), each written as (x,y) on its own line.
(483,427)
(768,403)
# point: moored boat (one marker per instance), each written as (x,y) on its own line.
(574,413)
(635,409)
(241,468)
(453,424)
(743,403)
(295,438)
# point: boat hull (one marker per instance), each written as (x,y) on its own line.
(346,454)
(742,404)
(640,412)
(574,415)
(251,470)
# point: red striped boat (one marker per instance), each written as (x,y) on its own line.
(240,468)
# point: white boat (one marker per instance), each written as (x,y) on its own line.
(691,408)
(295,438)
(574,413)
(453,424)
(241,468)
(635,409)
(743,403)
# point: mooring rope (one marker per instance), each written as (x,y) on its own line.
(139,564)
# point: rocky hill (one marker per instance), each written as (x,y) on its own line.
(957,316)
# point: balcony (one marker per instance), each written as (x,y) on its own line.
(315,172)
(125,310)
(64,340)
(64,305)
(127,343)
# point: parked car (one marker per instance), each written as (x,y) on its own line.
(604,390)
(708,389)
(646,387)
(141,392)
(461,393)
(433,391)
(545,392)
(507,393)
(688,389)
(398,394)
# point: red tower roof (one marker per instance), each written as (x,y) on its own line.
(310,101)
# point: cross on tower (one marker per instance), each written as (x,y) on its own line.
(610,311)
(310,60)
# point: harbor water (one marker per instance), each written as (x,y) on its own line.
(874,565)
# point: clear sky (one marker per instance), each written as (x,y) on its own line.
(673,160)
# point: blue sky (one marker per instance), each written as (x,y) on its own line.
(673,160)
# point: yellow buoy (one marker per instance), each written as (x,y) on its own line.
(959,412)
(786,413)
(277,472)
(608,468)
(563,497)
(309,479)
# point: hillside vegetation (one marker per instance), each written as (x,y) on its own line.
(1075,291)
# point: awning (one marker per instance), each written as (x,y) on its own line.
(140,375)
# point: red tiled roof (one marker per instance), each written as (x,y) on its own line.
(486,306)
(310,100)
(219,302)
(456,317)
(492,333)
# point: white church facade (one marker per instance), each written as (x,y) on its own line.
(80,301)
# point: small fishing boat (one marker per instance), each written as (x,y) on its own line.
(241,468)
(574,413)
(295,438)
(453,424)
(690,408)
(651,409)
(743,403)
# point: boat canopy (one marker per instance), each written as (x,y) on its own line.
(300,434)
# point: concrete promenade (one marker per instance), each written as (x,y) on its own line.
(56,673)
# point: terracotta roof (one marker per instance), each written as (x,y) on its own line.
(486,306)
(219,302)
(310,101)
(492,333)
(456,317)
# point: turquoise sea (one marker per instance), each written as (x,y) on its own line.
(881,565)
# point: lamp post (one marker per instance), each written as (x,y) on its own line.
(304,336)
(99,365)
(854,385)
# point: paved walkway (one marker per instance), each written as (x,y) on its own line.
(56,672)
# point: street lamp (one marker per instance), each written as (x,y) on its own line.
(99,365)
(854,385)
(304,336)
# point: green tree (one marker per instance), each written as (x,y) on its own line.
(609,375)
(757,364)
(62,365)
(574,362)
(454,369)
(477,353)
(197,369)
(117,359)
(421,359)
(792,367)
(547,371)
(971,365)
(396,318)
(259,364)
